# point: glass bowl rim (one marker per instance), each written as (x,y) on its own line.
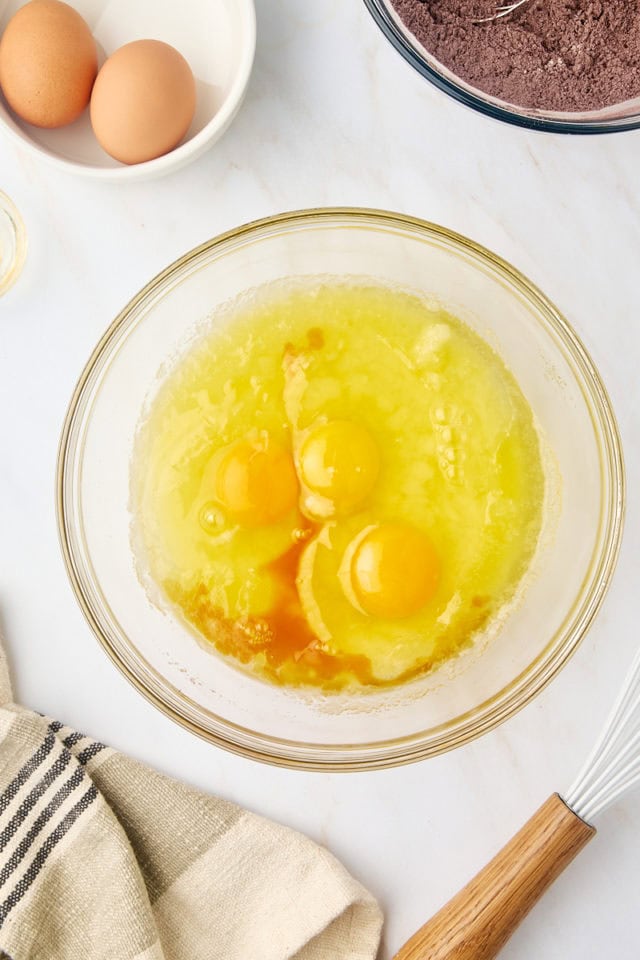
(401,41)
(513,696)
(12,216)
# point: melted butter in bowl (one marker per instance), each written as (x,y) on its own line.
(339,486)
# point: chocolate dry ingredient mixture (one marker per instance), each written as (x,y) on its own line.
(564,55)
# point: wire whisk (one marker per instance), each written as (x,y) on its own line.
(502,11)
(479,920)
(613,766)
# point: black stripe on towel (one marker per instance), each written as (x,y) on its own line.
(89,752)
(73,738)
(32,764)
(45,850)
(41,821)
(30,801)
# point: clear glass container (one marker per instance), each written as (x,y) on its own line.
(210,696)
(611,119)
(13,243)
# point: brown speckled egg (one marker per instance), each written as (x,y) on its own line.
(48,62)
(143,101)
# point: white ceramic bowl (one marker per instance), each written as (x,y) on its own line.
(217,37)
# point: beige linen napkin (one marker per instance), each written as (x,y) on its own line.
(102,857)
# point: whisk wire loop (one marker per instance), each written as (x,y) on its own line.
(613,766)
(502,11)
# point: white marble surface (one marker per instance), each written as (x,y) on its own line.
(334,116)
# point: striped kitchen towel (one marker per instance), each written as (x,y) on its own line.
(102,857)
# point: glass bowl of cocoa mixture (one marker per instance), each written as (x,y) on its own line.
(549,65)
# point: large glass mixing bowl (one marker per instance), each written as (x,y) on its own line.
(570,573)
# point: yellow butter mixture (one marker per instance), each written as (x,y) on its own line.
(338,485)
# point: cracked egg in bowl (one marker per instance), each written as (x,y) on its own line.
(338,486)
(340,489)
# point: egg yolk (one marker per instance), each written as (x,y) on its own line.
(340,462)
(256,484)
(394,571)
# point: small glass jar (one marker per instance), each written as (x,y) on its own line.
(13,243)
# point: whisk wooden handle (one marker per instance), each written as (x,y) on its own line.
(479,920)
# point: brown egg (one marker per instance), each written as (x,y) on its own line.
(143,101)
(48,62)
